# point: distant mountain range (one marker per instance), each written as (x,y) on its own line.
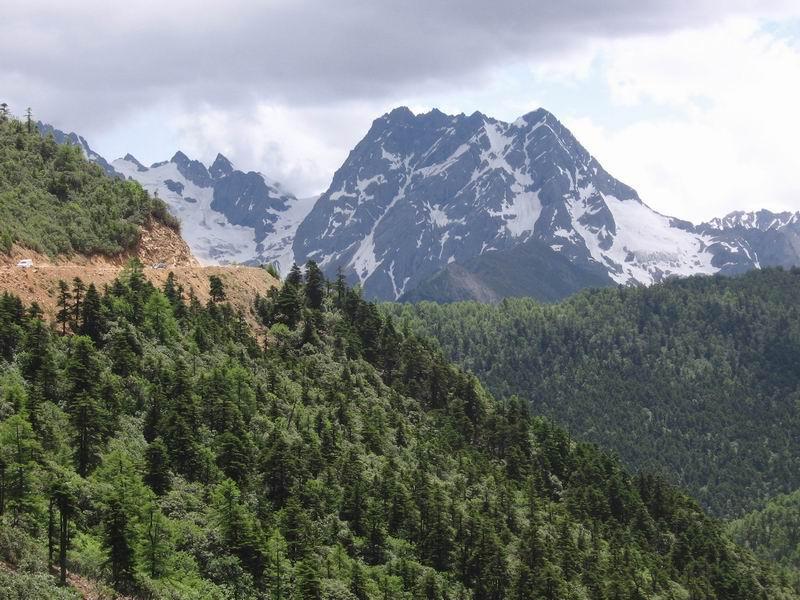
(227,215)
(442,207)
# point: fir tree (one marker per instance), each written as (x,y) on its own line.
(64,314)
(157,468)
(315,286)
(217,289)
(92,323)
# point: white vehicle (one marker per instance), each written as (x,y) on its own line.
(25,263)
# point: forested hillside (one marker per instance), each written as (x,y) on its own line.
(773,532)
(699,377)
(54,201)
(154,443)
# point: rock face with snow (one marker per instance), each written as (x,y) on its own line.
(226,215)
(421,192)
(755,239)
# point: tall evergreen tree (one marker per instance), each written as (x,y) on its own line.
(119,544)
(217,289)
(64,314)
(92,323)
(315,286)
(78,291)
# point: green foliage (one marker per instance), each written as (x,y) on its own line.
(698,377)
(773,533)
(176,455)
(53,200)
(272,269)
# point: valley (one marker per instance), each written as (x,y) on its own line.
(200,428)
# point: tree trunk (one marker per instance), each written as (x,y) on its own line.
(51,525)
(62,548)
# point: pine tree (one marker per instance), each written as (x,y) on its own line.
(18,451)
(296,530)
(157,468)
(83,406)
(92,323)
(358,582)
(315,286)
(157,548)
(233,456)
(295,277)
(172,290)
(239,528)
(64,495)
(289,303)
(309,586)
(78,291)
(181,425)
(64,313)
(118,543)
(217,289)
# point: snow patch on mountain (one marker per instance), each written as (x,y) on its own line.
(645,248)
(211,237)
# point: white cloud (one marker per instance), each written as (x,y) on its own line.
(300,147)
(700,121)
(722,126)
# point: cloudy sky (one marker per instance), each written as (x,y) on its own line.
(693,103)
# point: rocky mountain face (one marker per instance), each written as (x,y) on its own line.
(756,239)
(226,215)
(420,192)
(442,207)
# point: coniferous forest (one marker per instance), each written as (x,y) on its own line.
(773,532)
(697,378)
(165,448)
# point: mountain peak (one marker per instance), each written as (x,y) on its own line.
(221,167)
(535,116)
(401,112)
(193,170)
(132,159)
(179,157)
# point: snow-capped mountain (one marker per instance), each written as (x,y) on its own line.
(226,215)
(756,239)
(763,220)
(422,191)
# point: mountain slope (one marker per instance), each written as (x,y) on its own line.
(153,443)
(697,377)
(54,201)
(73,220)
(226,215)
(529,269)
